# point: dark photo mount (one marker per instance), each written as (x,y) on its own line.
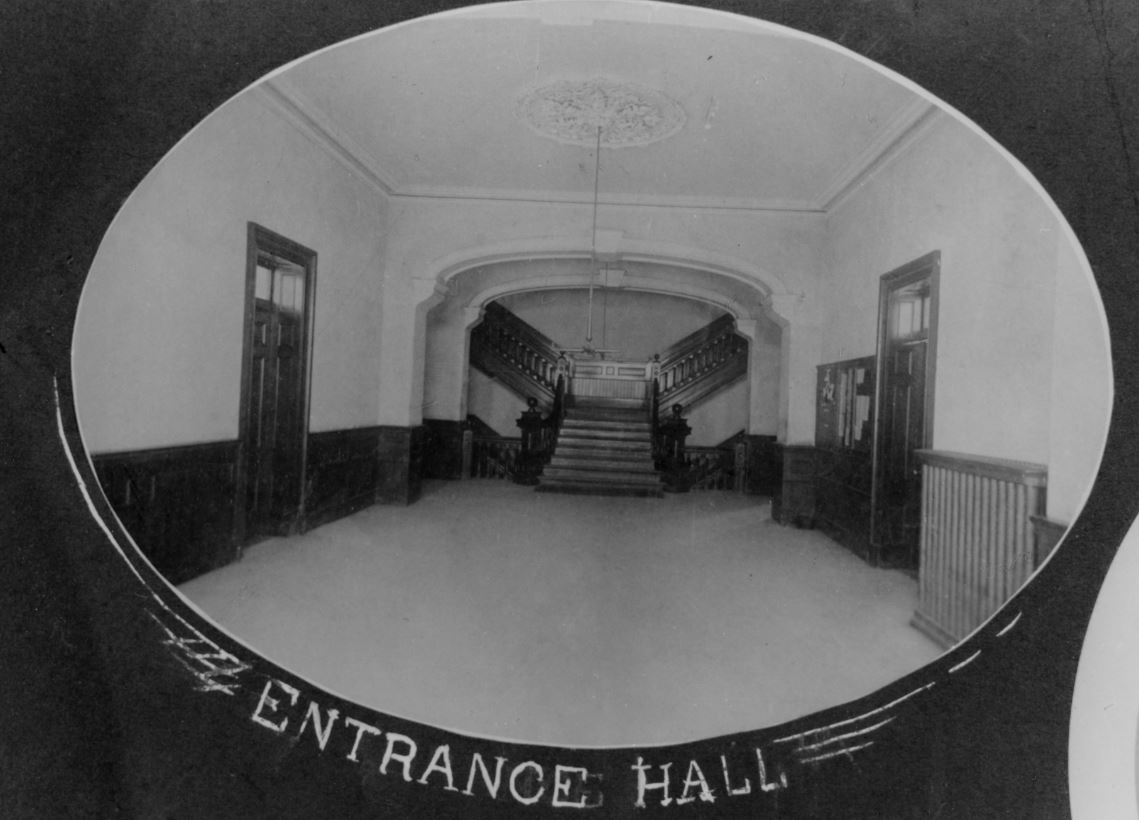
(121,700)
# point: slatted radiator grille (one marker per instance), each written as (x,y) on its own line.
(977,538)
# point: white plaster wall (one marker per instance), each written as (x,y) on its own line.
(158,340)
(637,325)
(428,235)
(496,405)
(446,360)
(429,238)
(1022,364)
(766,353)
(720,417)
(1081,379)
(951,192)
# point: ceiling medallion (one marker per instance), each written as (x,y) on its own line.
(571,111)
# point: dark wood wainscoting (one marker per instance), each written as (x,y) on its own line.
(177,502)
(400,456)
(443,448)
(764,465)
(354,468)
(342,473)
(842,498)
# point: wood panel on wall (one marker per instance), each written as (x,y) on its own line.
(400,456)
(177,503)
(764,465)
(443,448)
(342,472)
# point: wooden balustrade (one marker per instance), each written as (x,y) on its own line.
(505,347)
(977,545)
(702,363)
(711,468)
(699,365)
(494,456)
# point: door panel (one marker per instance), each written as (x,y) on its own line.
(903,433)
(274,397)
(907,360)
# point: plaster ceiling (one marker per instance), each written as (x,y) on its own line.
(769,120)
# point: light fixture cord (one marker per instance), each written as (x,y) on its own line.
(593,238)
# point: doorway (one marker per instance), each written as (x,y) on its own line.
(907,343)
(273,417)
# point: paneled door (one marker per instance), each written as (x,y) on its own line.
(906,345)
(274,399)
(903,432)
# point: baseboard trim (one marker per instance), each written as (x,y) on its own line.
(932,630)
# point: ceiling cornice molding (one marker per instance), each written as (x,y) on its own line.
(608,200)
(295,110)
(910,122)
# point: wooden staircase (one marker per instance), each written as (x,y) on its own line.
(604,444)
(603,448)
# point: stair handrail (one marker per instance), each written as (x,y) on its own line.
(654,404)
(517,343)
(700,355)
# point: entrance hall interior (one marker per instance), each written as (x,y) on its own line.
(592,373)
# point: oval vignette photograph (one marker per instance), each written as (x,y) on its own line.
(592,374)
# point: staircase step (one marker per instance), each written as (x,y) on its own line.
(606,424)
(639,456)
(602,435)
(601,464)
(612,453)
(592,440)
(599,489)
(607,404)
(603,450)
(599,476)
(607,413)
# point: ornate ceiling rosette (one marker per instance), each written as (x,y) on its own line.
(570,111)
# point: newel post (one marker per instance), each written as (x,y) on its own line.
(532,452)
(673,464)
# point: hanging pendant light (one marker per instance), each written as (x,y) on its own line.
(594,267)
(593,238)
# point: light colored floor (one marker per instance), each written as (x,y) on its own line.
(494,610)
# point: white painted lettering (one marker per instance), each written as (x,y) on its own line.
(529,779)
(322,732)
(442,753)
(403,757)
(744,789)
(764,783)
(273,703)
(491,785)
(594,793)
(643,784)
(695,778)
(360,729)
(563,789)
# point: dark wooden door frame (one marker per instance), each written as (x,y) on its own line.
(262,240)
(927,267)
